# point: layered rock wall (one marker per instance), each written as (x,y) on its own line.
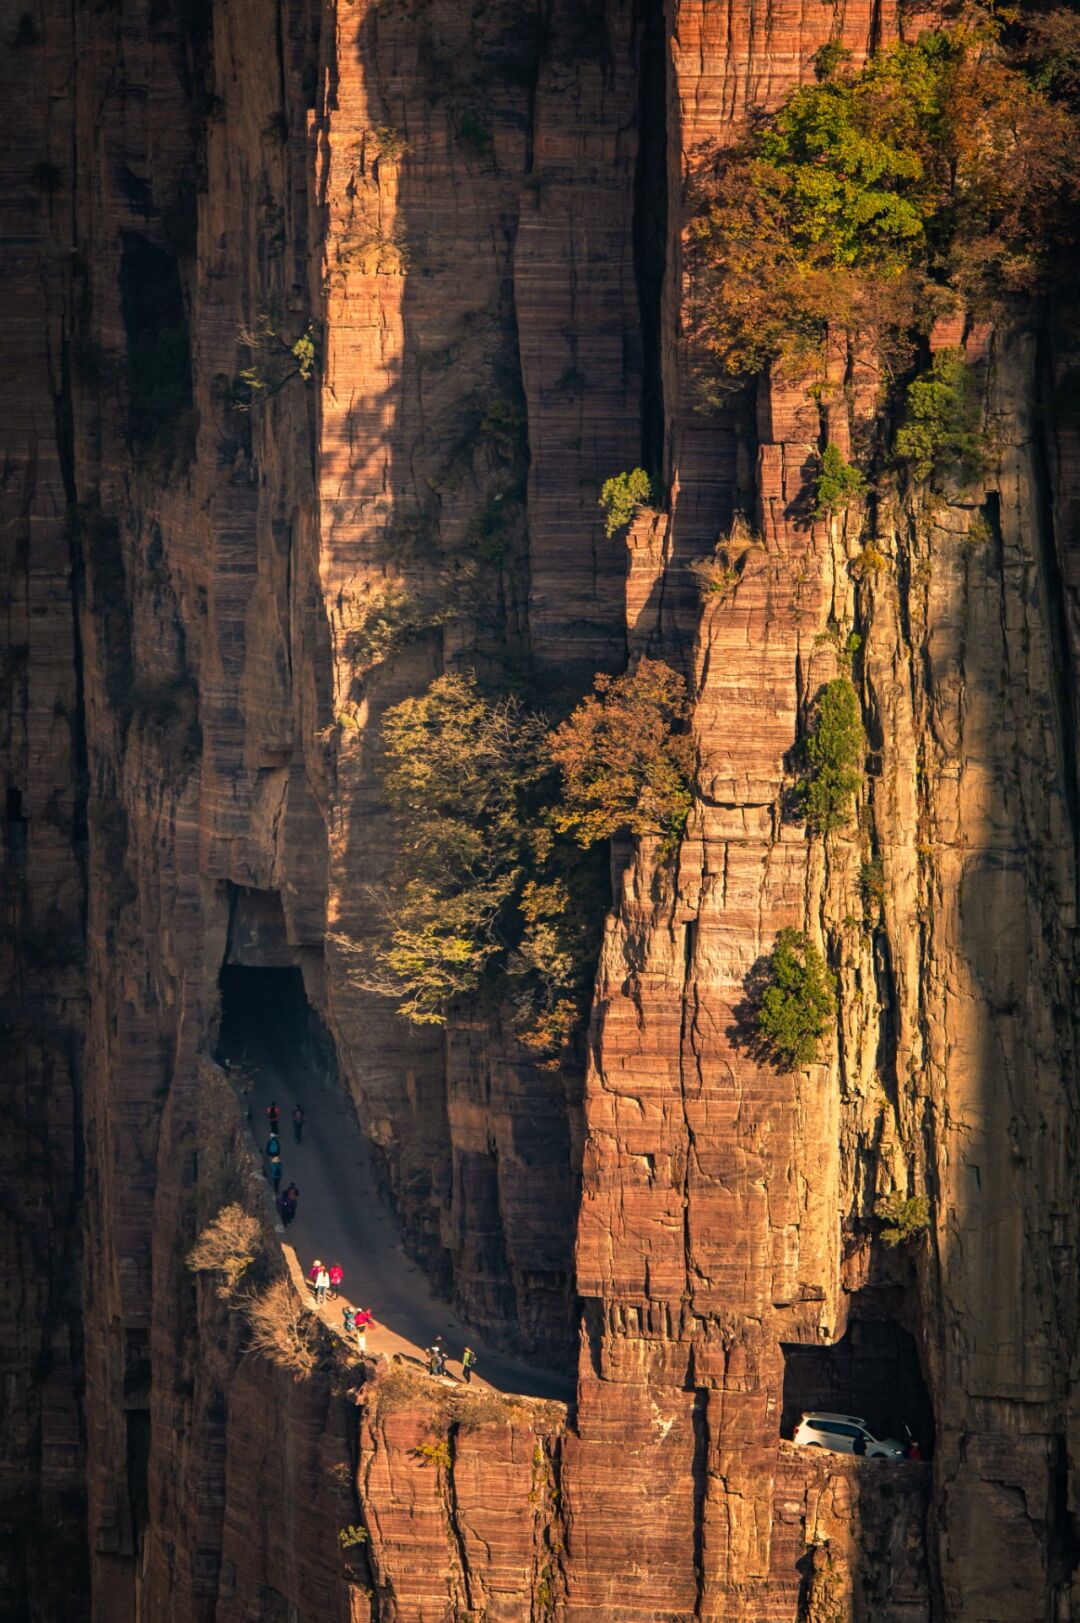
(461,212)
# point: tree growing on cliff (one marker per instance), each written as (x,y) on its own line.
(837,483)
(874,199)
(283,1328)
(833,754)
(902,1218)
(940,432)
(229,1246)
(459,772)
(798,1005)
(275,361)
(623,496)
(626,758)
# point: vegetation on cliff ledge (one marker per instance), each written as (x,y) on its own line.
(626,760)
(902,1217)
(929,180)
(499,877)
(622,496)
(798,1006)
(833,753)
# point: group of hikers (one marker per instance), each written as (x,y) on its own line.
(326,1281)
(287,1198)
(436,1360)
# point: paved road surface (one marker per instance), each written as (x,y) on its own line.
(341,1219)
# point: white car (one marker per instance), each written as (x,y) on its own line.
(845,1434)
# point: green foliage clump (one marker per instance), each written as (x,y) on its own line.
(935,174)
(834,748)
(560,915)
(389,616)
(941,429)
(459,769)
(480,885)
(498,874)
(274,361)
(389,143)
(837,484)
(435,1452)
(829,58)
(626,763)
(902,1218)
(622,496)
(798,1006)
(872,884)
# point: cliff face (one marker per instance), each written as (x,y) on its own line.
(469,215)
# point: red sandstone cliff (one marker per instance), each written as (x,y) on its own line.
(463,208)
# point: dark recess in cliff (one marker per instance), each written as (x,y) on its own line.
(158,342)
(872,1371)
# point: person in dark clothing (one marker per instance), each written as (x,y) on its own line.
(273,1116)
(468,1364)
(291,1194)
(288,1210)
(275,1173)
(298,1123)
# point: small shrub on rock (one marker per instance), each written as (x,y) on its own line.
(798,1006)
(902,1218)
(389,616)
(941,429)
(435,1452)
(228,1247)
(837,484)
(622,496)
(834,748)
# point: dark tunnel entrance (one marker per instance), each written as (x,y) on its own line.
(262,1010)
(872,1371)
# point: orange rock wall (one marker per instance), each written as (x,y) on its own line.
(450,201)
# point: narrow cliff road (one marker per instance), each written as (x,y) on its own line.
(341,1219)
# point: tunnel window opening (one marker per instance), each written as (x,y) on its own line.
(872,1373)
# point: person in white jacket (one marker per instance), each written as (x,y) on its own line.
(322,1285)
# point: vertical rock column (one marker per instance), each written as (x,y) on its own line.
(42,846)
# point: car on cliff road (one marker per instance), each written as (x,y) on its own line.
(845,1434)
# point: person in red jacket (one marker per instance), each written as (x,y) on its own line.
(336,1276)
(361,1319)
(273,1115)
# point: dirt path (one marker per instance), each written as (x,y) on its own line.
(341,1219)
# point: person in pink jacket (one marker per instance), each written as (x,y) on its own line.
(336,1276)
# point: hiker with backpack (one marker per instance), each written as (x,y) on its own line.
(288,1204)
(297,1123)
(272,1115)
(273,1146)
(336,1276)
(468,1364)
(322,1285)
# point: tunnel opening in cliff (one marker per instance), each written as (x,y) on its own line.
(873,1372)
(263,1009)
